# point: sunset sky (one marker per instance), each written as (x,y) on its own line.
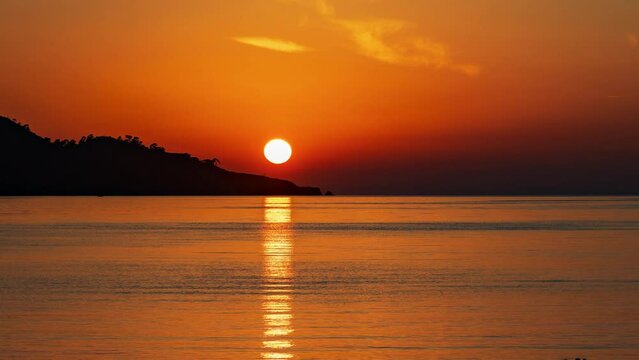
(375,96)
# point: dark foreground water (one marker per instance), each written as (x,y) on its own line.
(319,278)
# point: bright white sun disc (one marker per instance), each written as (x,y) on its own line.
(277,151)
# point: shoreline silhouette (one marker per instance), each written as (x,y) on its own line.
(104,165)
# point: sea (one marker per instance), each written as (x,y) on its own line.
(331,277)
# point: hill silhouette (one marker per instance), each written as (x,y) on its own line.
(103,165)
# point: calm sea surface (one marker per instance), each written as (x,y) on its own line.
(319,277)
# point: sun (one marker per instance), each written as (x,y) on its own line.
(277,151)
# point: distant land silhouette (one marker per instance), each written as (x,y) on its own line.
(103,165)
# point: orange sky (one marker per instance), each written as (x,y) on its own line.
(373,95)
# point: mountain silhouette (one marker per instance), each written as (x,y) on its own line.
(103,165)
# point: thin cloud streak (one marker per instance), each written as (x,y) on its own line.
(273,44)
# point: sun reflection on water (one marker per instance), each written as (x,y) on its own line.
(277,279)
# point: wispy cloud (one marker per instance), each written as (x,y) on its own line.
(273,44)
(633,40)
(394,41)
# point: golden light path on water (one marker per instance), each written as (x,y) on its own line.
(277,279)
